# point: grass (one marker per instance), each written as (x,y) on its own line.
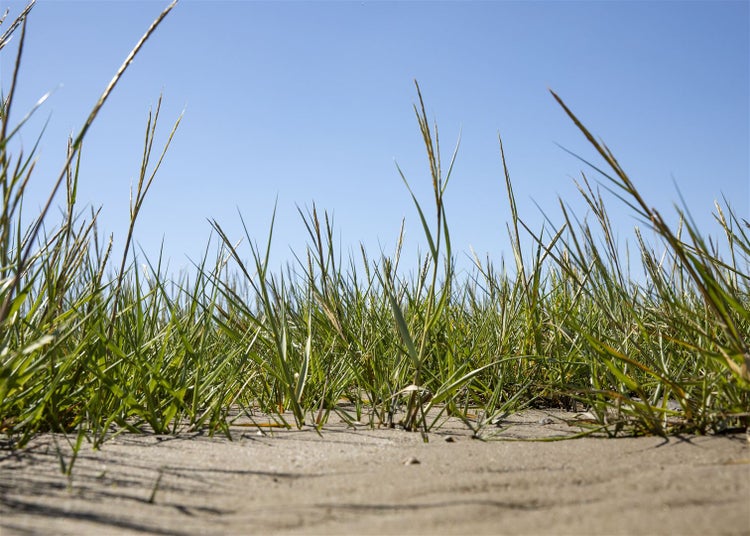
(90,346)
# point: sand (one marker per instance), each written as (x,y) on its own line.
(381,481)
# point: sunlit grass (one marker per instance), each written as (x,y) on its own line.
(88,350)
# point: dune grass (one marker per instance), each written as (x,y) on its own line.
(90,346)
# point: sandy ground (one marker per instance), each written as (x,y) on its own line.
(382,481)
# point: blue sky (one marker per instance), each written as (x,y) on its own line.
(312,102)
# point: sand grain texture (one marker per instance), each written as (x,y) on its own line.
(382,481)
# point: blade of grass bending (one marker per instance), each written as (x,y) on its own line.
(425,225)
(702,277)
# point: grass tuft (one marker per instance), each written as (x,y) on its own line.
(88,351)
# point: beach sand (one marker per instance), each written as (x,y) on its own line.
(381,481)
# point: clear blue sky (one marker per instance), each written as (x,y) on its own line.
(312,102)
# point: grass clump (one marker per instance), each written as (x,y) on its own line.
(89,351)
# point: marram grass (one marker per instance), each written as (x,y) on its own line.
(89,351)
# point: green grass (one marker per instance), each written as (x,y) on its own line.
(89,345)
